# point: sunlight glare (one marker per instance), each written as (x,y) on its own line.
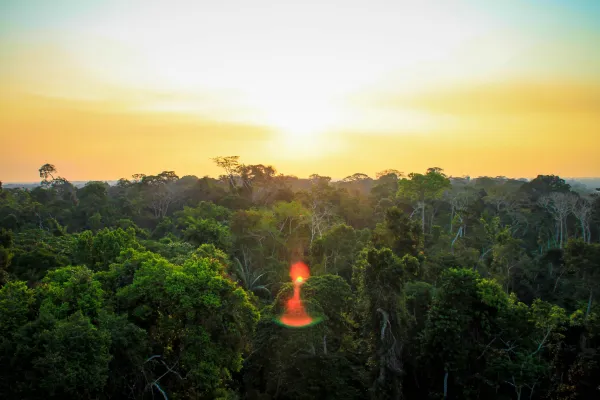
(300,120)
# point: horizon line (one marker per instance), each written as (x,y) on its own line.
(332,178)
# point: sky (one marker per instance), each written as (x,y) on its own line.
(104,89)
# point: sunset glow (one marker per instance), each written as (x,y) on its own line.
(106,89)
(300,199)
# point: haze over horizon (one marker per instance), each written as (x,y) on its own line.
(106,89)
(590,181)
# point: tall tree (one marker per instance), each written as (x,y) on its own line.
(424,187)
(584,259)
(47,171)
(582,210)
(231,166)
(379,276)
(559,205)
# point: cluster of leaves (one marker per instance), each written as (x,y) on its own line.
(423,286)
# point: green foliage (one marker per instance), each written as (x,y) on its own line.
(16,302)
(121,272)
(204,210)
(100,250)
(249,279)
(288,363)
(398,233)
(207,223)
(6,256)
(334,297)
(199,317)
(75,359)
(174,250)
(583,260)
(421,188)
(379,276)
(199,231)
(336,251)
(423,287)
(418,301)
(446,347)
(36,252)
(49,358)
(6,238)
(70,289)
(128,350)
(507,258)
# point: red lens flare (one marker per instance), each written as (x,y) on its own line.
(299,270)
(295,315)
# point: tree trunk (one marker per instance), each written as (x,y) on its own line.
(276,396)
(384,322)
(325,344)
(556,284)
(446,385)
(561,234)
(456,237)
(589,306)
(423,216)
(431,221)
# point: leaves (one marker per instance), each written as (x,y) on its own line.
(424,286)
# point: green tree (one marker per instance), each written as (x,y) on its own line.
(508,257)
(16,306)
(201,231)
(379,276)
(100,250)
(197,319)
(336,251)
(584,259)
(56,351)
(32,260)
(6,255)
(75,358)
(424,187)
(288,363)
(459,326)
(398,233)
(250,279)
(525,338)
(47,171)
(129,349)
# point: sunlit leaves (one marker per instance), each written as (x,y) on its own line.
(71,289)
(196,306)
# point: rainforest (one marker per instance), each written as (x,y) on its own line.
(419,285)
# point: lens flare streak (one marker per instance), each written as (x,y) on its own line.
(295,315)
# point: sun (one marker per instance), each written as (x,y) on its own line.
(301,123)
(300,119)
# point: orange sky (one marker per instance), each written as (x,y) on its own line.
(104,90)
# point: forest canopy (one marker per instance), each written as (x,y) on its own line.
(427,286)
